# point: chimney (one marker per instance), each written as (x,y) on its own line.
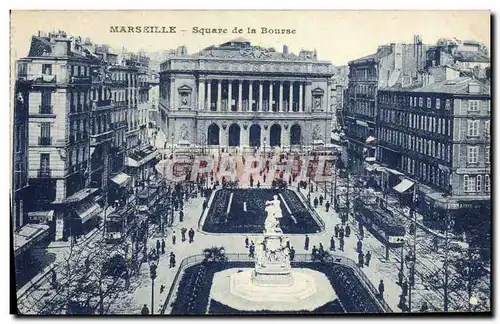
(285,49)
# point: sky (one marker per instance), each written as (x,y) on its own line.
(338,36)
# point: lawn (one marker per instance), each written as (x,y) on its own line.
(193,295)
(247,212)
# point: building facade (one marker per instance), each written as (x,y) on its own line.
(391,65)
(439,137)
(59,107)
(239,95)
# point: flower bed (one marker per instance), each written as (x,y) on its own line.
(247,212)
(194,291)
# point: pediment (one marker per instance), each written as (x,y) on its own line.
(185,89)
(318,91)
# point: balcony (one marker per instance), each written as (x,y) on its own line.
(44,173)
(44,141)
(80,80)
(77,137)
(102,104)
(120,83)
(101,138)
(38,79)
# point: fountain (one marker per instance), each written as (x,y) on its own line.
(273,285)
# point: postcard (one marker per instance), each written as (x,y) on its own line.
(251,162)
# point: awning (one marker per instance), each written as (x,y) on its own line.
(80,195)
(395,172)
(28,235)
(370,139)
(87,211)
(318,142)
(131,162)
(184,143)
(41,216)
(121,179)
(362,123)
(370,159)
(404,185)
(369,167)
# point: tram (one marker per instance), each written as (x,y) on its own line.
(115,229)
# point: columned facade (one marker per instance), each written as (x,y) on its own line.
(247,101)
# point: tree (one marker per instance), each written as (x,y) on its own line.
(214,255)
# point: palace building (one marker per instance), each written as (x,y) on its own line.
(240,95)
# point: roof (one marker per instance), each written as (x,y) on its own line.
(39,45)
(467,56)
(382,51)
(239,40)
(456,86)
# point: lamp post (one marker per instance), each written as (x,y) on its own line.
(410,264)
(173,138)
(153,265)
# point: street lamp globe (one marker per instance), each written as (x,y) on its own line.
(473,301)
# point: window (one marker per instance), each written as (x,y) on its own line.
(487,184)
(472,128)
(473,105)
(420,102)
(47,69)
(411,101)
(447,104)
(44,161)
(478,183)
(429,100)
(469,183)
(487,154)
(487,128)
(438,103)
(472,154)
(448,153)
(46,103)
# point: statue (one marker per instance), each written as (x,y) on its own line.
(273,211)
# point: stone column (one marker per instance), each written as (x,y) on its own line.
(260,95)
(301,91)
(250,94)
(201,94)
(209,95)
(281,97)
(270,96)
(229,94)
(172,93)
(240,94)
(290,100)
(219,94)
(308,97)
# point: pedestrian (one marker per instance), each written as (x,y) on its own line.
(361,232)
(205,204)
(327,206)
(381,289)
(264,177)
(332,244)
(341,244)
(288,244)
(424,307)
(306,243)
(368,257)
(314,252)
(251,250)
(183,234)
(404,288)
(321,248)
(315,202)
(158,246)
(181,216)
(347,230)
(361,259)
(172,260)
(191,235)
(54,279)
(359,246)
(145,309)
(258,184)
(173,238)
(162,246)
(246,242)
(321,200)
(400,277)
(292,253)
(402,303)
(336,230)
(341,232)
